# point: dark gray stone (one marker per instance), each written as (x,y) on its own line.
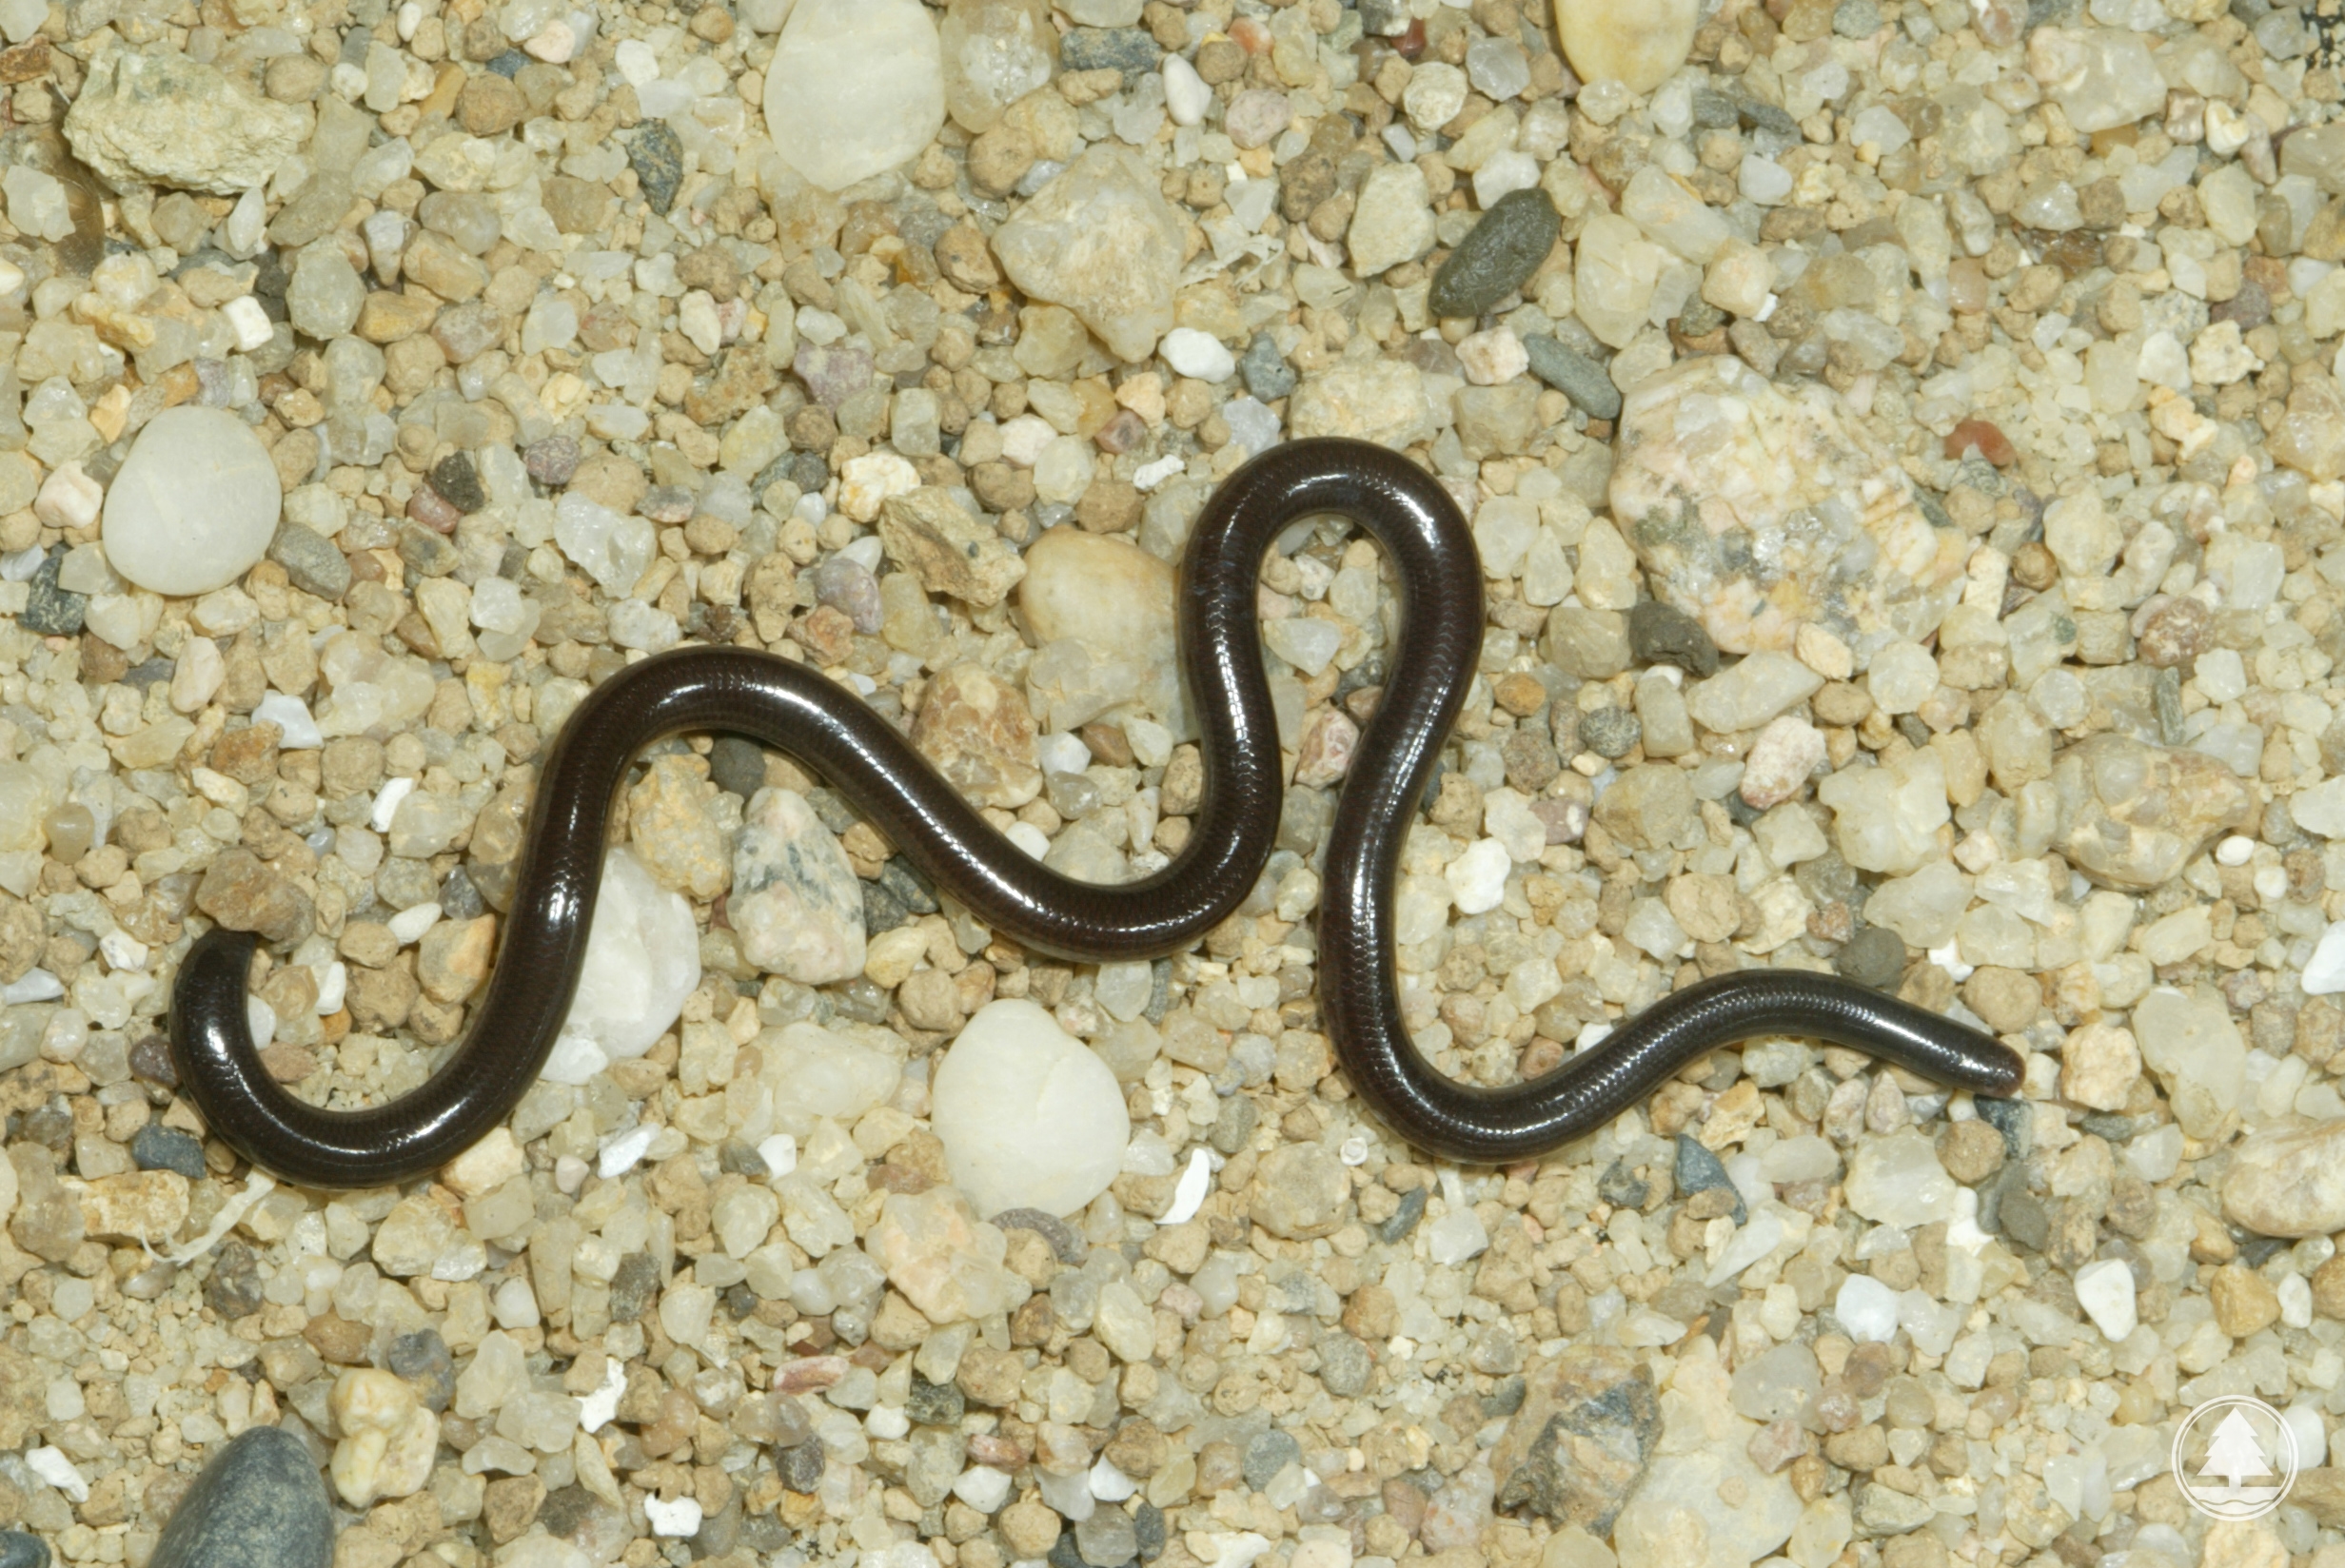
(260,1504)
(158,1148)
(1763,116)
(1506,1396)
(1715,110)
(52,611)
(1661,634)
(1622,1187)
(1875,956)
(2023,1218)
(1234,1124)
(910,889)
(1405,1218)
(1268,374)
(738,765)
(800,1465)
(1699,1170)
(882,909)
(311,560)
(1575,374)
(1344,1365)
(458,482)
(18,1550)
(509,63)
(234,1290)
(1268,1454)
(2014,1119)
(1147,1528)
(658,156)
(1503,250)
(936,1403)
(736,1157)
(1130,50)
(2110,1126)
(1610,732)
(1578,1448)
(634,1285)
(424,1359)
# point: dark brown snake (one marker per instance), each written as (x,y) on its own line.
(799,711)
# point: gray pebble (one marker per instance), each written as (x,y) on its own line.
(158,1148)
(2014,1119)
(738,765)
(18,1550)
(1268,1454)
(458,482)
(1149,1529)
(1610,732)
(1875,956)
(1662,633)
(1234,1124)
(1698,1170)
(1107,1540)
(1130,50)
(422,1358)
(1576,375)
(633,1286)
(311,561)
(800,1467)
(260,1504)
(52,611)
(934,1403)
(1622,1187)
(1494,260)
(1405,1218)
(1345,1366)
(658,156)
(1268,374)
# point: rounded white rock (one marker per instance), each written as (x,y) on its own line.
(856,88)
(195,505)
(1029,1116)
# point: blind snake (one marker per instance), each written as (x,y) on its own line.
(797,710)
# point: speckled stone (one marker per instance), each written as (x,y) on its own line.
(2014,1119)
(1405,1218)
(1577,376)
(657,157)
(801,1467)
(1128,50)
(260,1504)
(52,611)
(1579,1446)
(1610,732)
(1503,250)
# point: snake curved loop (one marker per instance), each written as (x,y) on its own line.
(797,710)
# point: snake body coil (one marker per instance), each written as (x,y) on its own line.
(799,711)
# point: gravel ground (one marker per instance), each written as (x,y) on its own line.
(1904,444)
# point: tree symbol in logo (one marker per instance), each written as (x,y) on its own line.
(2250,1458)
(2234,1454)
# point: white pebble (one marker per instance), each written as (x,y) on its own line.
(2324,973)
(249,323)
(1478,878)
(1189,1193)
(333,986)
(386,803)
(677,1519)
(1197,354)
(1186,97)
(1110,1484)
(292,715)
(779,1152)
(410,924)
(52,1466)
(2234,851)
(621,1154)
(1867,1309)
(68,499)
(982,1487)
(2105,1290)
(1029,1115)
(194,506)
